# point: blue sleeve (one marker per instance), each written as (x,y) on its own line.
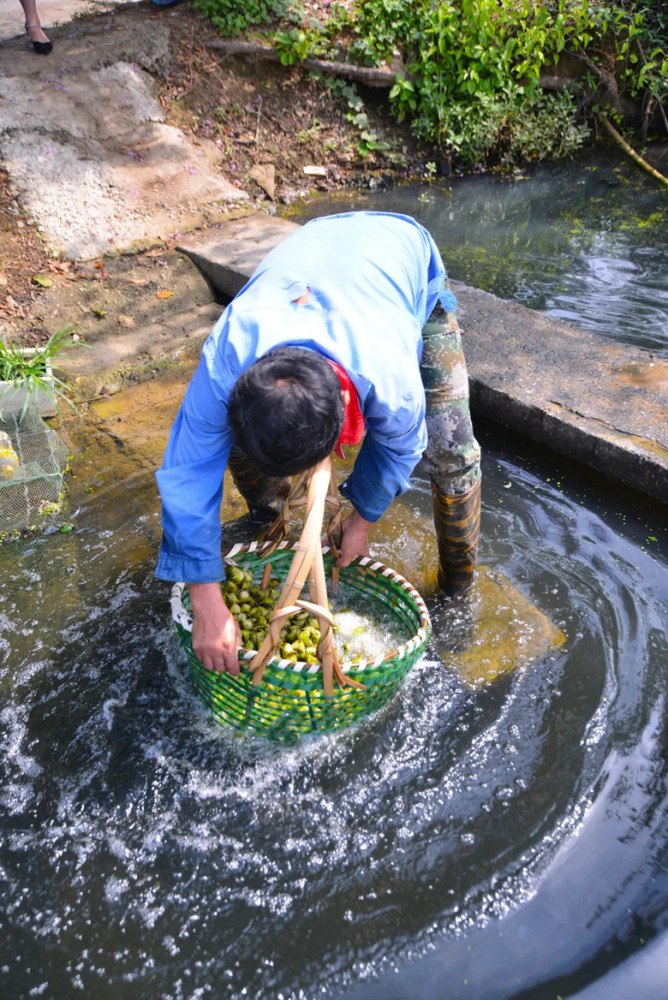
(190,481)
(392,447)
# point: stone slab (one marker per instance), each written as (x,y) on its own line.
(601,403)
(228,255)
(83,45)
(597,401)
(51,12)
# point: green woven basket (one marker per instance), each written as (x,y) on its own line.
(290,701)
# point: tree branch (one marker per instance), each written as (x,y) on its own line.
(636,157)
(372,76)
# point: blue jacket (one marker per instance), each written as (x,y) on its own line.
(374,278)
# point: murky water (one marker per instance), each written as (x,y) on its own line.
(583,241)
(512,837)
(505,841)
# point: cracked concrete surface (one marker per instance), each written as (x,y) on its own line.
(83,140)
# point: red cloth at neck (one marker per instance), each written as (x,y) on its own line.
(352,431)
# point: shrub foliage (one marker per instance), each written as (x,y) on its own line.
(474,70)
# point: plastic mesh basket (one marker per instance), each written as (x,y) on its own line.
(33,497)
(290,701)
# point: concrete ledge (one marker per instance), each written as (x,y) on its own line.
(228,254)
(602,403)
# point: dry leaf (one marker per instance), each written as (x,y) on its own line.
(3,279)
(164,293)
(41,279)
(98,264)
(142,282)
(99,312)
(126,321)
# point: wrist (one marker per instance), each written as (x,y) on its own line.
(357,521)
(206,597)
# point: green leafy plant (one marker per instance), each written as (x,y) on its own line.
(368,141)
(471,84)
(309,135)
(381,26)
(30,371)
(473,68)
(315,40)
(232,17)
(293,46)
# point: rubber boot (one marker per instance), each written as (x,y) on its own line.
(258,490)
(457,524)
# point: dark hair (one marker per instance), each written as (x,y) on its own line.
(286,411)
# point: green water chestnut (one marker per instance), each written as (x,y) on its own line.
(251,606)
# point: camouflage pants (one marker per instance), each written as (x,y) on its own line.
(452,457)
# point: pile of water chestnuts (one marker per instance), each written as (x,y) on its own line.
(252,606)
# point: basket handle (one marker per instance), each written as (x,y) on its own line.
(305,554)
(307,563)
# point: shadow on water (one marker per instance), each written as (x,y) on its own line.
(460,842)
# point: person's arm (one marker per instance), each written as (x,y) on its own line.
(381,473)
(190,481)
(395,440)
(191,485)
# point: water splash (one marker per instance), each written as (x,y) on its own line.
(148,852)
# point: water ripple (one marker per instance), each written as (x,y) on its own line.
(147,851)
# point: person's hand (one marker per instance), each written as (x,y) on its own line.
(216,637)
(354,538)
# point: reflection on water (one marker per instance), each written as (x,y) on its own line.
(146,852)
(585,242)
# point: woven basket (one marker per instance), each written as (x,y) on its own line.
(290,701)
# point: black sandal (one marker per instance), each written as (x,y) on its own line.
(42,47)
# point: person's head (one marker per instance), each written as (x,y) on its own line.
(286,411)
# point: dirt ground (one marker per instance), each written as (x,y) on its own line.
(270,123)
(22,255)
(262,112)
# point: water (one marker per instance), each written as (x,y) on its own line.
(583,241)
(509,841)
(513,837)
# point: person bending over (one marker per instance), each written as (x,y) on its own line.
(329,343)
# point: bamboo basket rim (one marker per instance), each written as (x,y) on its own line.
(181,616)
